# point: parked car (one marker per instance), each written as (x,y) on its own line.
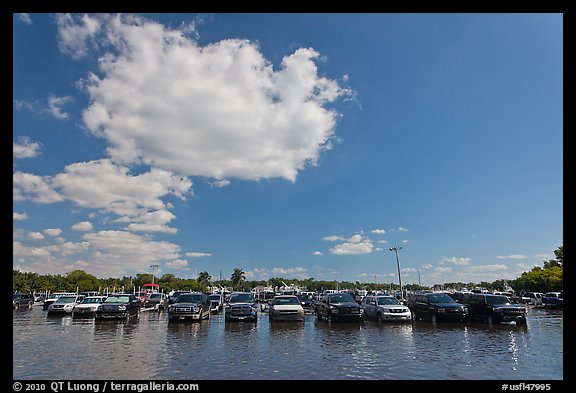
(385,308)
(241,306)
(306,299)
(216,302)
(118,306)
(286,308)
(532,298)
(339,307)
(553,300)
(22,300)
(172,297)
(437,307)
(51,298)
(495,309)
(192,306)
(88,306)
(158,300)
(64,304)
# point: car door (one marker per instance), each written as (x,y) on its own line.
(371,308)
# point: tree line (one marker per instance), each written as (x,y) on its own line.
(549,277)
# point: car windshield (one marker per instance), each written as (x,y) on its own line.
(440,298)
(286,300)
(388,300)
(91,300)
(497,300)
(156,296)
(215,297)
(241,298)
(340,298)
(66,299)
(117,299)
(189,298)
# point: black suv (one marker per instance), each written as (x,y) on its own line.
(437,307)
(495,309)
(118,306)
(339,307)
(193,306)
(22,300)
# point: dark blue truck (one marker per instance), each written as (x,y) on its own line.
(553,300)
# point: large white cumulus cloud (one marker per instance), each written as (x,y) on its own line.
(218,111)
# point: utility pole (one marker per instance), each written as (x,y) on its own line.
(396,249)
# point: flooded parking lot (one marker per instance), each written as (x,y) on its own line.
(150,348)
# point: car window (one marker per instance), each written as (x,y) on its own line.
(286,300)
(440,298)
(388,300)
(340,297)
(497,300)
(66,299)
(189,298)
(241,298)
(117,299)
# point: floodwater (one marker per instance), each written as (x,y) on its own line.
(149,348)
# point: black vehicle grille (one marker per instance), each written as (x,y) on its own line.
(182,310)
(348,310)
(454,309)
(396,310)
(241,310)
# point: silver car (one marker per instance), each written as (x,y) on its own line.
(385,308)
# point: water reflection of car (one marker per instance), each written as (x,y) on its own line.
(286,308)
(193,306)
(437,307)
(216,302)
(22,300)
(385,308)
(118,306)
(87,307)
(241,306)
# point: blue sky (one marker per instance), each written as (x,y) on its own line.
(288,145)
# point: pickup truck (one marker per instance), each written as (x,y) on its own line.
(553,300)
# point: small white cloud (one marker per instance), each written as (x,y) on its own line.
(513,256)
(317,253)
(355,245)
(36,236)
(19,216)
(177,264)
(333,238)
(55,106)
(83,226)
(198,254)
(25,18)
(52,231)
(455,261)
(25,148)
(378,231)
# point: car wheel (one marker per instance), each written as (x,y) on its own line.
(16,306)
(379,318)
(433,318)
(318,316)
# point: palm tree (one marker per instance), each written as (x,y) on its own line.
(204,278)
(237,278)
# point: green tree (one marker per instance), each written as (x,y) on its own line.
(204,279)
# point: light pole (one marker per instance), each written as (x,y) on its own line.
(153,267)
(395,249)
